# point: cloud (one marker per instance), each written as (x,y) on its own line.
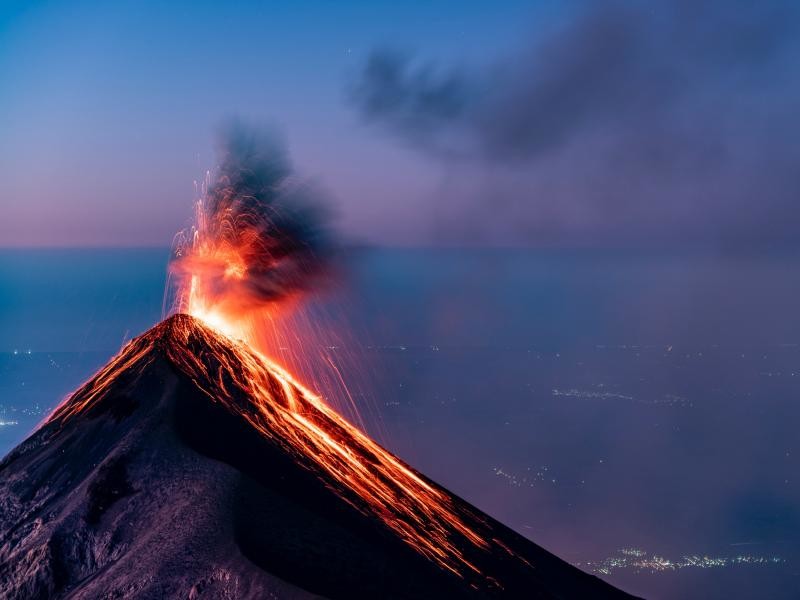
(631,121)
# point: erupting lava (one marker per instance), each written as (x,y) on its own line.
(258,242)
(250,254)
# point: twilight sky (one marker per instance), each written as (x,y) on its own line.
(476,122)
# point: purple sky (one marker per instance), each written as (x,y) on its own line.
(478,123)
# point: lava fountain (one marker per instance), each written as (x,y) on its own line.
(259,242)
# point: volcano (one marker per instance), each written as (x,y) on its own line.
(193,467)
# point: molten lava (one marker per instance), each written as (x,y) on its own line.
(248,384)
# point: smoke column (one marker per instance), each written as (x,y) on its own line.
(259,239)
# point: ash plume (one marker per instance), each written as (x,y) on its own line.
(260,236)
(638,121)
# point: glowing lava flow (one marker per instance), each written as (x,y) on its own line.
(297,418)
(248,384)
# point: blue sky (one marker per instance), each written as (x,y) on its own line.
(109,109)
(668,122)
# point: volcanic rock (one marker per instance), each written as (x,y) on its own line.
(166,477)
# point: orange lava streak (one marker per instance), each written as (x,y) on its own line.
(248,384)
(297,418)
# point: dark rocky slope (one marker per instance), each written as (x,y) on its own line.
(154,490)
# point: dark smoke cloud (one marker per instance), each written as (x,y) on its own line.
(257,216)
(632,120)
(418,105)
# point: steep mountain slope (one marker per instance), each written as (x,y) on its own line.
(192,467)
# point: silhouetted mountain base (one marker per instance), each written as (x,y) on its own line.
(155,490)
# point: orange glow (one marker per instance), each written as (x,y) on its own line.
(227,347)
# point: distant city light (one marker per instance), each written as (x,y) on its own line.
(638,560)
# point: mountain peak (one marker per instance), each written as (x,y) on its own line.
(185,403)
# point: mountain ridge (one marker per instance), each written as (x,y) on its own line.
(157,479)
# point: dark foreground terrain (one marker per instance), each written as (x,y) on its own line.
(143,485)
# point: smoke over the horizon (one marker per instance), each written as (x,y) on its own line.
(628,121)
(260,237)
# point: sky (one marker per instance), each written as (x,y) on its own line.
(570,124)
